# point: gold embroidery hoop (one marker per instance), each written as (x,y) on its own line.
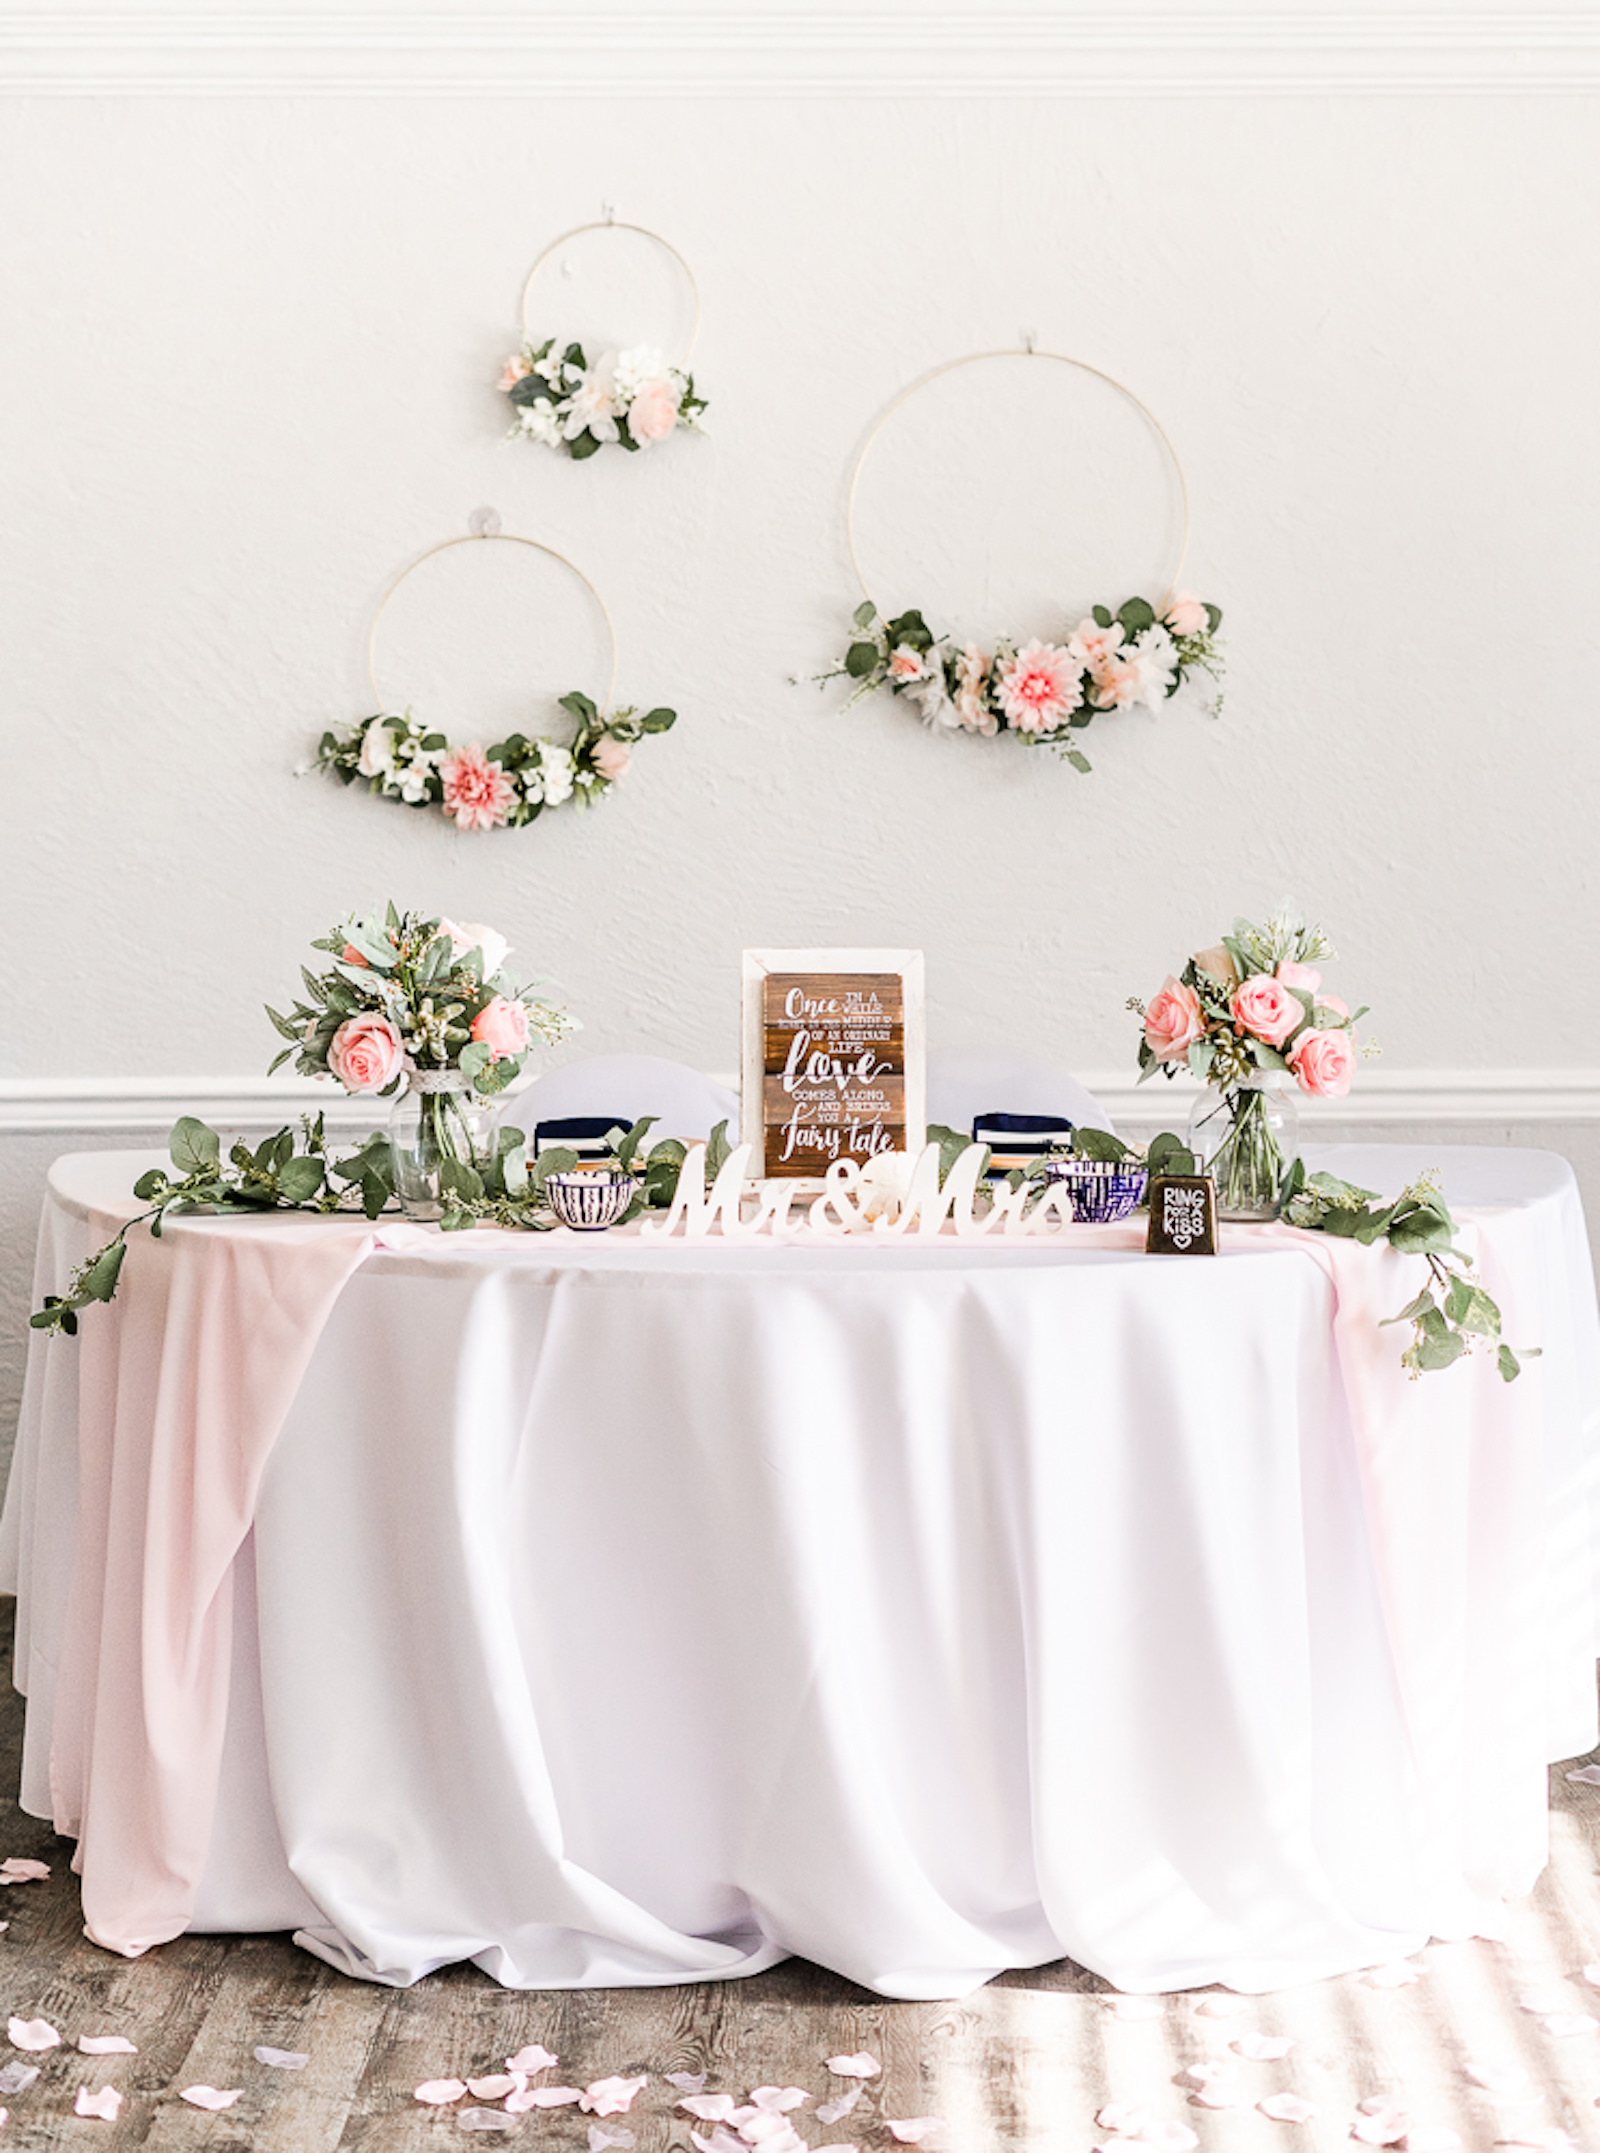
(486,531)
(609,223)
(1028,350)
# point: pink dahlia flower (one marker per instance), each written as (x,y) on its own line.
(477,792)
(1040,687)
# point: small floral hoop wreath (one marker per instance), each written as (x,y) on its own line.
(1042,693)
(513,781)
(634,397)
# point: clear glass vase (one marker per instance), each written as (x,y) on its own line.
(1247,1139)
(440,1133)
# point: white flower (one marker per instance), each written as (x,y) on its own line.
(491,945)
(885,1184)
(377,749)
(540,422)
(1156,659)
(634,367)
(550,369)
(594,403)
(932,696)
(532,782)
(558,773)
(411,779)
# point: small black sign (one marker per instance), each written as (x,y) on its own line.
(1183,1215)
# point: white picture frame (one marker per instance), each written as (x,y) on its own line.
(842,966)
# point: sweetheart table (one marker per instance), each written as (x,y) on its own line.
(607,1611)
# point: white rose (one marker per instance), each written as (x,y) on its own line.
(377,749)
(493,946)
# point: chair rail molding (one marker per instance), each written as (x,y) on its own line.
(1030,48)
(68,1106)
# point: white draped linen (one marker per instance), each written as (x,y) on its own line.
(626,1613)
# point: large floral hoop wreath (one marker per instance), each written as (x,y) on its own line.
(633,398)
(1043,693)
(511,782)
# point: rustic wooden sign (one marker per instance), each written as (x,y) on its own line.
(833,1058)
(1183,1215)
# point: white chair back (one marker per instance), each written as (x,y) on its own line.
(963,1086)
(686,1103)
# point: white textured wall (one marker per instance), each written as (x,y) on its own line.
(247,360)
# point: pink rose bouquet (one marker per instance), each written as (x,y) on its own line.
(409,997)
(1249,1016)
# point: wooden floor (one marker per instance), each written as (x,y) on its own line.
(1020,2067)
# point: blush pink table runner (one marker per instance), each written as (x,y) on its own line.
(186,1378)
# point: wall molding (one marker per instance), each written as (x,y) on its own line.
(1031,48)
(1476,1098)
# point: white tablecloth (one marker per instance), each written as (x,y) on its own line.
(619,1613)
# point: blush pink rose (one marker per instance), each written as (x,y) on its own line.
(502,1026)
(477,792)
(1173,1021)
(1332,1001)
(653,412)
(611,758)
(1186,615)
(1324,1063)
(1304,976)
(514,370)
(1266,1008)
(366,1053)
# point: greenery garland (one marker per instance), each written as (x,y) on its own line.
(1449,1316)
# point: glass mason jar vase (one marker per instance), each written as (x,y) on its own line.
(438,1123)
(1247,1139)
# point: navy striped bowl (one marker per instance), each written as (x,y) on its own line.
(1102,1189)
(589,1202)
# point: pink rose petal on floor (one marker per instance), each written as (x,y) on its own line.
(533,2059)
(831,2111)
(1136,2007)
(688,2081)
(17,1869)
(1220,2092)
(611,2096)
(1564,2024)
(106,2044)
(720,2141)
(914,2130)
(862,2066)
(1498,2077)
(1431,2138)
(709,2107)
(436,2092)
(106,2104)
(778,2100)
(1541,2001)
(602,2135)
(769,2133)
(33,2034)
(1398,1974)
(1263,2047)
(834,2149)
(493,2088)
(1287,2108)
(1225,2005)
(209,2097)
(1129,2117)
(549,2096)
(1587,1775)
(485,2119)
(1380,2125)
(282,2059)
